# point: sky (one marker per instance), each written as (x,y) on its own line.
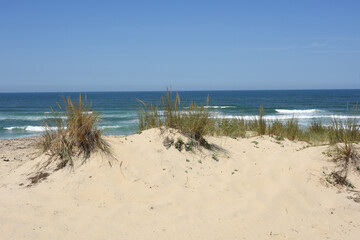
(191,45)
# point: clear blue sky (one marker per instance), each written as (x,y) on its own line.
(191,45)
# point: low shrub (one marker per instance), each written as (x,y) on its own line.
(179,144)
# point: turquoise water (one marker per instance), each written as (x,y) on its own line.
(22,114)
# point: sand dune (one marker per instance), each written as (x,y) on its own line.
(253,188)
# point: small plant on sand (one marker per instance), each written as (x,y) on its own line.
(345,132)
(346,157)
(76,133)
(189,145)
(179,144)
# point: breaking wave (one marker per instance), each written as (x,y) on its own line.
(29,128)
(286,117)
(297,111)
(219,107)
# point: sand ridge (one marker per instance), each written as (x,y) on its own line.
(251,188)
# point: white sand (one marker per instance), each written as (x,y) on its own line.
(254,191)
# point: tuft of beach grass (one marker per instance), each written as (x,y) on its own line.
(193,119)
(76,132)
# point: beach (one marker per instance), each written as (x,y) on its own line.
(165,120)
(244,188)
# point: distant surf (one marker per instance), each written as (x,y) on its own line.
(23,114)
(298,111)
(219,107)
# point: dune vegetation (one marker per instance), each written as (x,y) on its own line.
(72,131)
(192,120)
(196,122)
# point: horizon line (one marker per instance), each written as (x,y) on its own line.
(174,90)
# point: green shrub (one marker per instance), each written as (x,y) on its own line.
(189,145)
(179,144)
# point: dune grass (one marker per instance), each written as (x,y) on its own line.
(196,121)
(192,119)
(73,131)
(346,132)
(261,128)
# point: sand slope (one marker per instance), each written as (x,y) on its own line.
(258,189)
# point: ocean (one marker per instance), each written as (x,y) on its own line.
(22,114)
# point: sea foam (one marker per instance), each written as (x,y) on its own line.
(30,128)
(286,117)
(297,111)
(219,107)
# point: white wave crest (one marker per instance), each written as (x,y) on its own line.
(126,125)
(28,118)
(287,117)
(30,128)
(113,127)
(297,111)
(42,129)
(13,128)
(219,107)
(34,129)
